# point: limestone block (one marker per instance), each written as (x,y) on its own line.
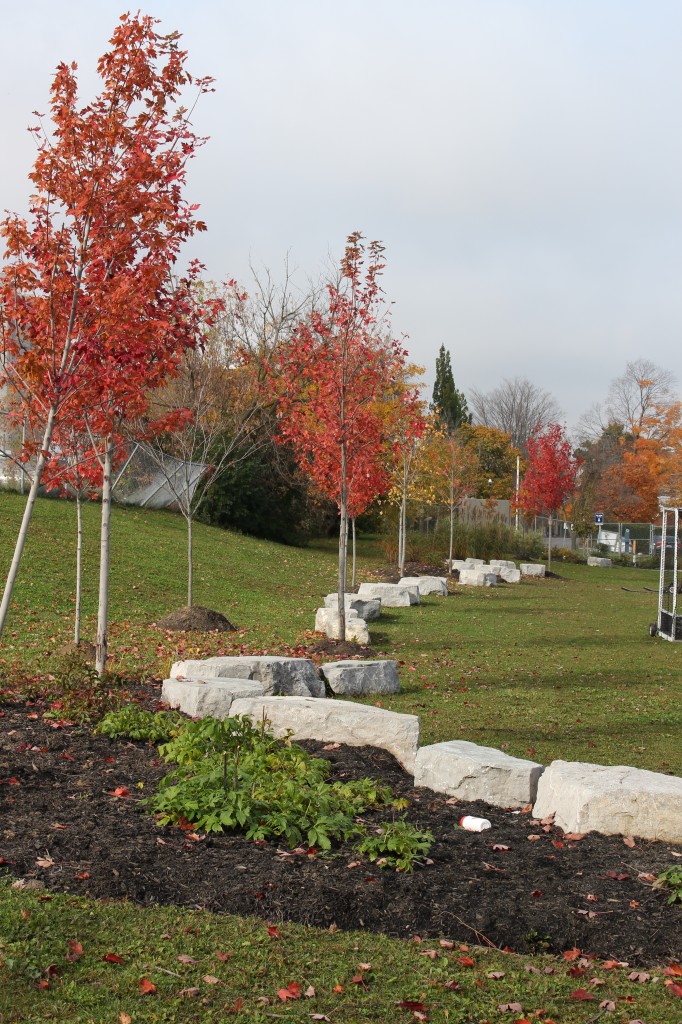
(294,676)
(508,575)
(207,698)
(600,563)
(477,577)
(327,621)
(457,564)
(351,677)
(470,772)
(613,800)
(369,610)
(426,584)
(324,617)
(530,569)
(473,563)
(503,563)
(392,595)
(337,721)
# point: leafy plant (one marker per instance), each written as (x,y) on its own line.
(235,775)
(671,879)
(136,723)
(78,693)
(399,844)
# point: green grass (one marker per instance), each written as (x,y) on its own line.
(35,935)
(544,669)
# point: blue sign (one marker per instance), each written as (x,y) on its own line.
(598,518)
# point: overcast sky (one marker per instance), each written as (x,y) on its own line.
(521,160)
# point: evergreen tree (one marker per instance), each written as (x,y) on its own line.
(449,403)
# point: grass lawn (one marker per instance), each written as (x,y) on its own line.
(544,669)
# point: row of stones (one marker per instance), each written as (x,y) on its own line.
(582,797)
(366,605)
(476,572)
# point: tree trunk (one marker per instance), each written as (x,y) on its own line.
(79,568)
(353,570)
(549,545)
(452,522)
(105,534)
(28,512)
(343,547)
(190,563)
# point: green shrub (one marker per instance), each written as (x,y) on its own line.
(134,723)
(671,879)
(78,693)
(398,844)
(234,775)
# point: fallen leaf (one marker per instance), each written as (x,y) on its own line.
(113,958)
(510,1007)
(431,953)
(453,985)
(319,1016)
(273,931)
(574,836)
(189,993)
(608,1005)
(82,876)
(292,991)
(673,971)
(495,975)
(411,1004)
(447,943)
(75,951)
(309,992)
(124,1018)
(465,961)
(639,976)
(629,841)
(571,954)
(185,958)
(673,988)
(583,995)
(222,956)
(499,847)
(55,824)
(210,979)
(537,893)
(45,862)
(533,838)
(120,792)
(146,987)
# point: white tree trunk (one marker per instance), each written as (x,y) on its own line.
(452,522)
(104,552)
(549,545)
(28,512)
(190,563)
(79,569)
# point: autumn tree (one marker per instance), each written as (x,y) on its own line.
(90,320)
(550,477)
(329,378)
(495,457)
(448,402)
(516,407)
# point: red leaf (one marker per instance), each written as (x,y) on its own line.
(571,954)
(292,991)
(465,961)
(113,958)
(673,971)
(674,988)
(583,994)
(412,1004)
(273,932)
(75,950)
(146,987)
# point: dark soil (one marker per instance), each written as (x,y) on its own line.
(196,618)
(338,649)
(57,803)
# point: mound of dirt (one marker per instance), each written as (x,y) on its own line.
(196,619)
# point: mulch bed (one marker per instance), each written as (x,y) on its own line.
(499,887)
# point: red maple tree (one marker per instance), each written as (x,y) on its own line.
(550,476)
(331,380)
(90,319)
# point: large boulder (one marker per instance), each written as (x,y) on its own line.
(531,569)
(207,698)
(327,621)
(369,610)
(353,677)
(296,677)
(392,595)
(457,564)
(337,721)
(470,772)
(613,800)
(503,563)
(506,574)
(600,563)
(426,584)
(473,563)
(480,577)
(195,618)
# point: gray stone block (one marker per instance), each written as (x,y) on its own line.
(392,595)
(470,772)
(327,621)
(479,577)
(207,698)
(294,676)
(613,800)
(600,563)
(369,609)
(531,569)
(353,677)
(337,721)
(426,584)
